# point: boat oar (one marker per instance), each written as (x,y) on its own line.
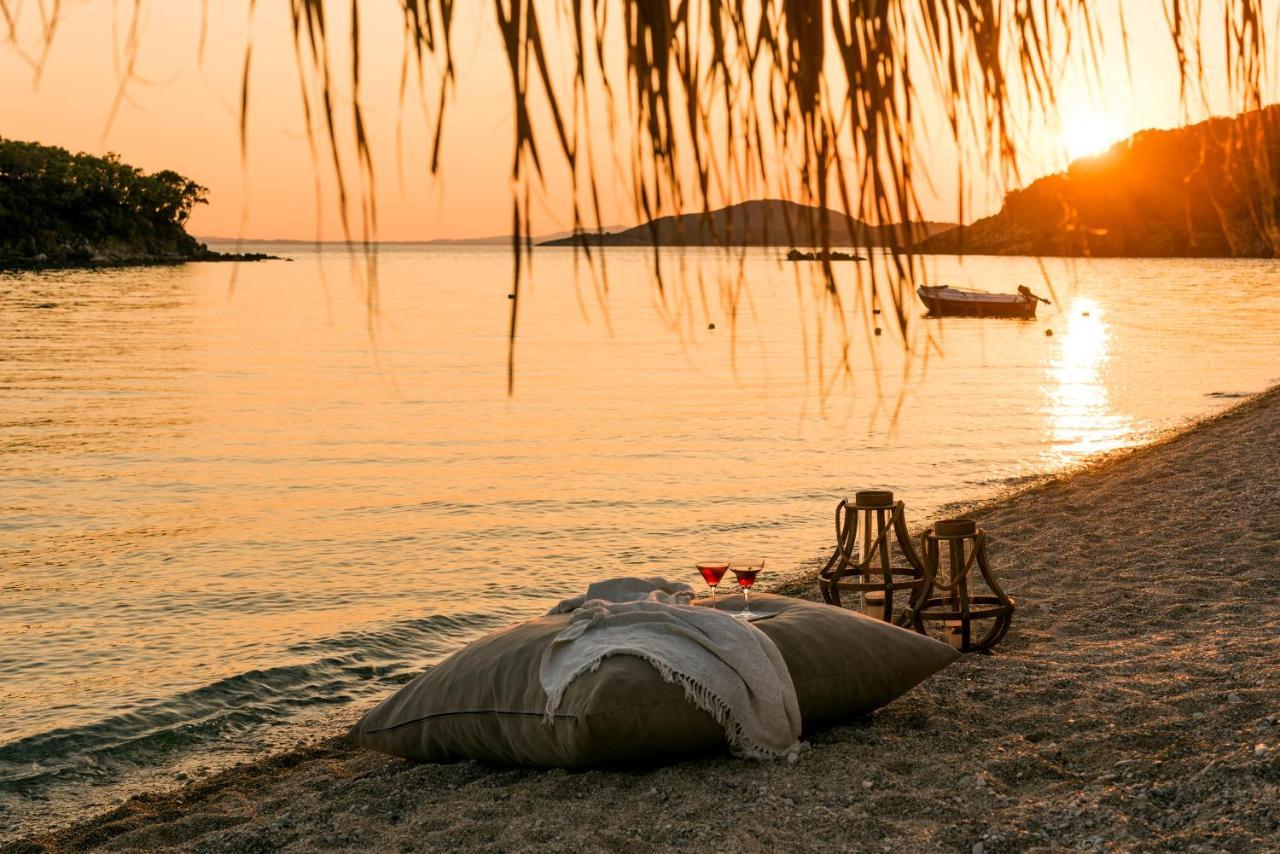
(1026,292)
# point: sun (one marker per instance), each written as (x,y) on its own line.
(1086,132)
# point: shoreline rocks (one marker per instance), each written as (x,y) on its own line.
(86,256)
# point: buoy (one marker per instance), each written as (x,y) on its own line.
(877,330)
(511,296)
(1048,333)
(711,326)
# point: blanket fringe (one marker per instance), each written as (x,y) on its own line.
(739,744)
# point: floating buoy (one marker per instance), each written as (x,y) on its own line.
(711,326)
(1048,333)
(877,330)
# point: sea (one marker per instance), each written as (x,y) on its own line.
(240,503)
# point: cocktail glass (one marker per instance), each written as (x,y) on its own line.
(746,571)
(712,571)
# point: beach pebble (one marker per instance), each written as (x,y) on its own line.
(1234,698)
(980,781)
(979,848)
(1260,749)
(866,784)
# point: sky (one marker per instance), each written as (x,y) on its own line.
(180,110)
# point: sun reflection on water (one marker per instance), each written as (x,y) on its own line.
(1080,421)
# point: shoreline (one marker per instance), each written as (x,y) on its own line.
(1102,720)
(208,256)
(1029,485)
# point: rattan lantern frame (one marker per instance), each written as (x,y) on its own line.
(956,606)
(872,575)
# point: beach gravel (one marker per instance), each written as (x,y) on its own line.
(1134,706)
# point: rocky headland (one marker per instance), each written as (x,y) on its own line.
(1210,190)
(59,209)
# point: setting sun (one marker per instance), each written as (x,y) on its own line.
(1086,132)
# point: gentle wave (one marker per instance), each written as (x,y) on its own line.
(354,665)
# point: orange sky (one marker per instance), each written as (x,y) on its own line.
(181,114)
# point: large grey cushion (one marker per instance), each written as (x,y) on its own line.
(485,702)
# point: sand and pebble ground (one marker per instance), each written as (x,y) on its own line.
(1135,705)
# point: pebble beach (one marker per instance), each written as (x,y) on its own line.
(1134,706)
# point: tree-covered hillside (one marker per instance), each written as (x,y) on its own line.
(1207,190)
(62,208)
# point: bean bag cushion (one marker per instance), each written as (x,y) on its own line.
(485,701)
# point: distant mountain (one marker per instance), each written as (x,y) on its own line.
(765,222)
(1206,190)
(496,240)
(505,239)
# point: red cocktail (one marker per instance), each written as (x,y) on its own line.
(712,571)
(746,571)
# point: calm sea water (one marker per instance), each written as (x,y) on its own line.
(232,509)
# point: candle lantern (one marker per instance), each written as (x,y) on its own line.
(951,550)
(872,546)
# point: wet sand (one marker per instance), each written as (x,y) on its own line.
(1135,705)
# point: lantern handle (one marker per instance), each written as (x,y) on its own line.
(847,550)
(931,570)
(875,544)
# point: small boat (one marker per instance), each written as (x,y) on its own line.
(946,301)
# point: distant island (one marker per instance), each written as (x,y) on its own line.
(59,209)
(1206,190)
(819,255)
(762,222)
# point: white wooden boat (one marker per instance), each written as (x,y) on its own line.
(946,301)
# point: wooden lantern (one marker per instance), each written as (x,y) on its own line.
(961,611)
(873,568)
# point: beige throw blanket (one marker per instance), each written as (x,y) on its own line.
(727,667)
